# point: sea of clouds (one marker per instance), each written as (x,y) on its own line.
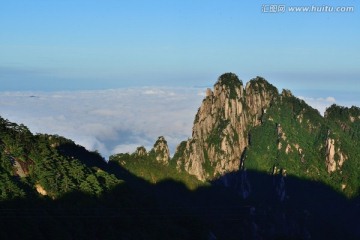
(113,121)
(110,121)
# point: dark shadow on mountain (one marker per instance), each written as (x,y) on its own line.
(90,159)
(291,207)
(137,209)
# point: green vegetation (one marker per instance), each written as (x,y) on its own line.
(148,168)
(44,164)
(262,154)
(259,84)
(301,147)
(345,126)
(348,119)
(344,114)
(179,151)
(232,82)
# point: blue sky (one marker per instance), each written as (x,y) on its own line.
(78,44)
(158,56)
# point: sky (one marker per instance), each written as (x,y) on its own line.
(50,47)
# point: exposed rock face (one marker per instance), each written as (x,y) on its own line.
(40,190)
(220,131)
(141,152)
(288,149)
(330,154)
(161,150)
(342,159)
(19,170)
(259,94)
(286,93)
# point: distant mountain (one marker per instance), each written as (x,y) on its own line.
(255,127)
(260,165)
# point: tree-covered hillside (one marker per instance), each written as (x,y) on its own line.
(294,139)
(147,167)
(33,165)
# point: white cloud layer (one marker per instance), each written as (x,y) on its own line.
(110,121)
(114,121)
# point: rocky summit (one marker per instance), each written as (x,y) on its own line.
(221,126)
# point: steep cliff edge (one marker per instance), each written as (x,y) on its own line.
(221,126)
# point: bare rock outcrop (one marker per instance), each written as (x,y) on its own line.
(141,151)
(221,125)
(40,190)
(259,94)
(330,155)
(333,153)
(161,150)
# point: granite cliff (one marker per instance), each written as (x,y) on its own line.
(221,126)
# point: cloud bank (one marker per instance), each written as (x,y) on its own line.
(110,121)
(114,121)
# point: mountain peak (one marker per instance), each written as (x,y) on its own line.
(141,151)
(228,86)
(259,94)
(220,131)
(286,93)
(229,79)
(260,84)
(161,150)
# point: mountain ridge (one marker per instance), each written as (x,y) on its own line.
(234,119)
